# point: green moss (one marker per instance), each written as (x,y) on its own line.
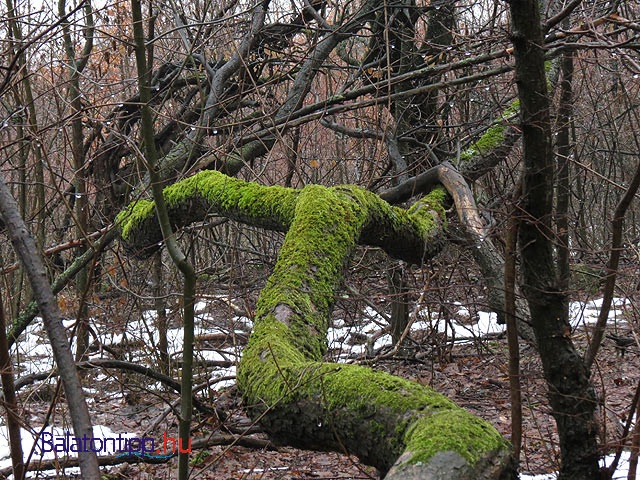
(490,140)
(310,263)
(277,375)
(282,365)
(271,351)
(245,201)
(131,217)
(494,136)
(270,355)
(361,389)
(200,457)
(231,195)
(274,207)
(434,201)
(377,429)
(326,225)
(452,430)
(511,110)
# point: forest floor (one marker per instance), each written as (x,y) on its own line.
(471,371)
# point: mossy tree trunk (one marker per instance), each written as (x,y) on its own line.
(394,424)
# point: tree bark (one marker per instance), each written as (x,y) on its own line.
(10,400)
(570,393)
(512,336)
(175,252)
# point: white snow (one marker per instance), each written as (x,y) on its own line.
(339,336)
(585,313)
(622,470)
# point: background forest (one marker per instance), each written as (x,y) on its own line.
(102,104)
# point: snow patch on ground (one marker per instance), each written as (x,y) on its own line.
(345,341)
(622,470)
(351,341)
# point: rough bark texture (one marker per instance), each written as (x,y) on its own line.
(10,401)
(385,420)
(571,396)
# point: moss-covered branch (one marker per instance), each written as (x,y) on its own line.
(385,420)
(303,401)
(411,235)
(201,195)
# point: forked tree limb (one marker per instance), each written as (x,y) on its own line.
(385,420)
(389,228)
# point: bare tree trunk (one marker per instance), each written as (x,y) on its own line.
(30,105)
(175,252)
(612,267)
(396,281)
(28,253)
(512,333)
(75,66)
(161,314)
(563,148)
(571,396)
(10,401)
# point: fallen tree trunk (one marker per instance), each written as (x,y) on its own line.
(396,425)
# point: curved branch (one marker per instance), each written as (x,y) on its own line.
(387,421)
(210,192)
(487,256)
